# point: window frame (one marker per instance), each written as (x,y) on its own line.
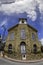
(23,47)
(23,34)
(33,36)
(10,36)
(10,48)
(35,48)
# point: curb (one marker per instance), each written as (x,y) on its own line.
(23,61)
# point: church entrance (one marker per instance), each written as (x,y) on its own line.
(23,50)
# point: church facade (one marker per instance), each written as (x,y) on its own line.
(22,39)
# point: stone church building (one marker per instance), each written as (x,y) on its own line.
(22,39)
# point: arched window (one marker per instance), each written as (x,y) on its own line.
(10,48)
(23,47)
(12,36)
(33,36)
(22,21)
(35,48)
(23,34)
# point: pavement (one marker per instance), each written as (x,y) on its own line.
(23,61)
(4,61)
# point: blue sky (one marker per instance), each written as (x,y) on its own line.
(12,10)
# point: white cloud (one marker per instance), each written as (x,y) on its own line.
(6,1)
(32,15)
(40,5)
(41,41)
(20,6)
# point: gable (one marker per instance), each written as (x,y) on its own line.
(25,24)
(12,27)
(22,21)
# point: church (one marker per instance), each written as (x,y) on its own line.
(22,39)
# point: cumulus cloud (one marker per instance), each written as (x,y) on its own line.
(40,5)
(21,6)
(4,1)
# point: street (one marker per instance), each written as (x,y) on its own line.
(7,62)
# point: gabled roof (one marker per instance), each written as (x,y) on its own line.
(32,27)
(13,27)
(27,25)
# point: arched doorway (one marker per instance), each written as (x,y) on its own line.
(23,49)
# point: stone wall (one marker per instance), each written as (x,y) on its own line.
(17,39)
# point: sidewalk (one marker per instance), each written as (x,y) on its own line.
(23,61)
